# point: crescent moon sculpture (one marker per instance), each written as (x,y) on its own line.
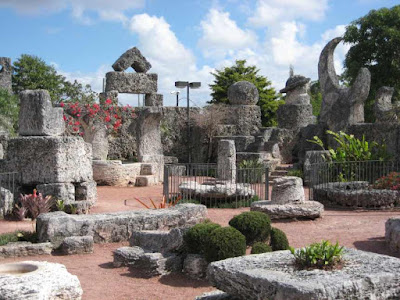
(341,106)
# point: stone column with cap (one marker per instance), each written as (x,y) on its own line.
(297,110)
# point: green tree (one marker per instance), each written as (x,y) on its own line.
(31,72)
(9,109)
(375,40)
(315,97)
(268,98)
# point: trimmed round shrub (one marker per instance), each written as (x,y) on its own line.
(279,240)
(196,238)
(254,225)
(225,242)
(260,247)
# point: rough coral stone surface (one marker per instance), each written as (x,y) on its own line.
(115,173)
(77,245)
(125,256)
(6,71)
(59,191)
(19,249)
(392,234)
(226,164)
(158,241)
(216,295)
(155,264)
(303,210)
(273,275)
(153,99)
(6,202)
(132,58)
(243,93)
(287,189)
(116,227)
(46,281)
(37,116)
(133,83)
(42,160)
(355,194)
(295,116)
(195,266)
(341,106)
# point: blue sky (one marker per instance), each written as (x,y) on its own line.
(183,40)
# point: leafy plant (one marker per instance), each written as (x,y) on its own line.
(351,148)
(296,172)
(223,243)
(250,171)
(254,225)
(6,238)
(163,203)
(36,204)
(260,247)
(322,255)
(20,212)
(60,205)
(389,182)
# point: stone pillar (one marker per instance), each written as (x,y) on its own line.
(153,100)
(5,73)
(226,160)
(98,138)
(148,137)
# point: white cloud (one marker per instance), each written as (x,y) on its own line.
(221,34)
(105,9)
(270,12)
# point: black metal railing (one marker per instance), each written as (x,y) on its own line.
(215,187)
(361,174)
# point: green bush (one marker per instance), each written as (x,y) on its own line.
(254,225)
(296,172)
(225,242)
(18,236)
(196,238)
(260,247)
(279,240)
(318,255)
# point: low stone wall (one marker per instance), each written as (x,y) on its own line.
(19,249)
(115,227)
(115,173)
(355,194)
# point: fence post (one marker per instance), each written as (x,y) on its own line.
(166,184)
(266,183)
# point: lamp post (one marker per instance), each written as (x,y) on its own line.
(188,85)
(177,96)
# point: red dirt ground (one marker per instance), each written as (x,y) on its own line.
(363,230)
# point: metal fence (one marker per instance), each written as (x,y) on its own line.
(8,182)
(362,174)
(215,187)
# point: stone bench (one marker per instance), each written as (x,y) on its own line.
(116,227)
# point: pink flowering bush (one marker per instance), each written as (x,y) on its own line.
(389,182)
(85,119)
